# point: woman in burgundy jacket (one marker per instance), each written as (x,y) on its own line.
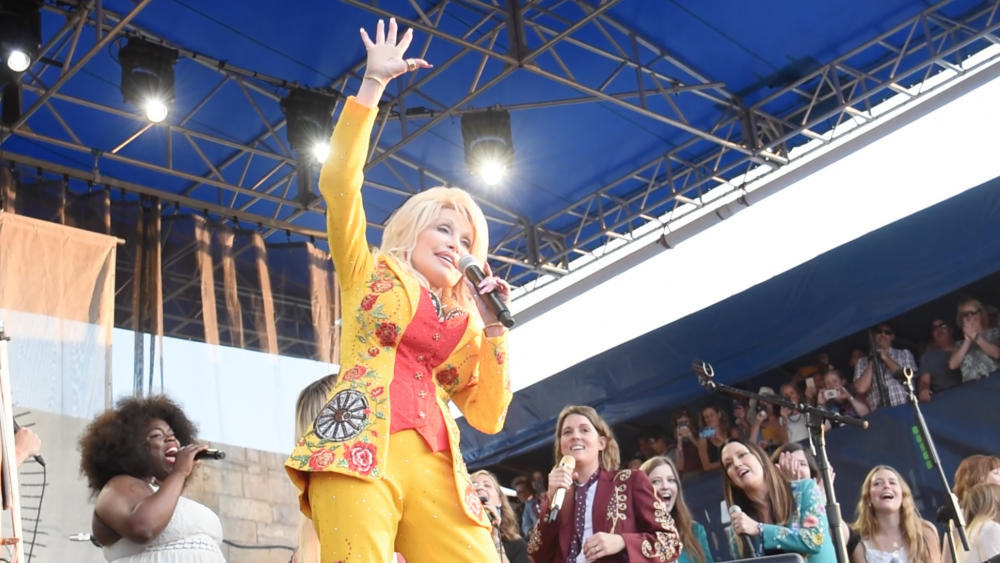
(608,515)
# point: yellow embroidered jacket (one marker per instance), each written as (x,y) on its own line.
(351,434)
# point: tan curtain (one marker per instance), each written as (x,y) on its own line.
(234,312)
(203,252)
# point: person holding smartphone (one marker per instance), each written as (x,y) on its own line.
(688,458)
(714,433)
(836,398)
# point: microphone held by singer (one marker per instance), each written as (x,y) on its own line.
(210,454)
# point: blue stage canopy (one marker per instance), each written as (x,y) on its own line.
(871,279)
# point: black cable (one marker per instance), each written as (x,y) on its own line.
(241,546)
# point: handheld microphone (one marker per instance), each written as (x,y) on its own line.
(557,500)
(468,266)
(38,458)
(210,454)
(485,500)
(733,511)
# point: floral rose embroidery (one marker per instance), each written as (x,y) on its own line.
(360,457)
(447,377)
(355,373)
(501,358)
(381,286)
(320,459)
(377,391)
(373,351)
(387,333)
(369,301)
(810,522)
(472,501)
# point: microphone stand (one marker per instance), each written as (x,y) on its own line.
(951,503)
(815,419)
(878,373)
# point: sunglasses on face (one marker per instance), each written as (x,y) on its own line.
(941,326)
(966,314)
(884,331)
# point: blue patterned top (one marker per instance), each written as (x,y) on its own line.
(808,532)
(702,537)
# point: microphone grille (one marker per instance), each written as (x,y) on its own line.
(735,509)
(466,261)
(568,461)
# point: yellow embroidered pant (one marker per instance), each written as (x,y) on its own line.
(414,510)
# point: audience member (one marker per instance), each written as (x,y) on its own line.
(892,360)
(978,354)
(741,429)
(528,496)
(653,442)
(767,431)
(793,421)
(663,475)
(889,524)
(777,516)
(688,459)
(311,401)
(713,435)
(836,398)
(982,517)
(506,536)
(935,373)
(974,470)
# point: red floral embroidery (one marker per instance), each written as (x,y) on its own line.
(320,459)
(355,373)
(387,333)
(373,351)
(447,377)
(501,358)
(810,522)
(374,433)
(377,391)
(361,458)
(381,286)
(369,301)
(472,501)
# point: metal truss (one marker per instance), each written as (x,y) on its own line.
(255,182)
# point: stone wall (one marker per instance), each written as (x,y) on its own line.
(249,491)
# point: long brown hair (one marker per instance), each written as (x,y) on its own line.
(779,490)
(311,400)
(610,458)
(723,419)
(972,471)
(982,505)
(509,529)
(680,513)
(909,518)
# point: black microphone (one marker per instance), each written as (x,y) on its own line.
(485,501)
(38,458)
(210,454)
(471,269)
(733,511)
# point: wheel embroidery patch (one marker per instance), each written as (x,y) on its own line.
(344,417)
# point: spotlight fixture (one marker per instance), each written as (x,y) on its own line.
(489,146)
(148,76)
(20,34)
(310,122)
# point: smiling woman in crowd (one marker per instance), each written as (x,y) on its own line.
(777,516)
(889,524)
(666,481)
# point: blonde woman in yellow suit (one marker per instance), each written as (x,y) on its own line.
(380,469)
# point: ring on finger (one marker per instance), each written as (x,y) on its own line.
(411,65)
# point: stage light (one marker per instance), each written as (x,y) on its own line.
(489,146)
(321,151)
(20,33)
(310,122)
(156,111)
(491,172)
(18,61)
(148,77)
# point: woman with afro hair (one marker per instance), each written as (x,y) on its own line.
(136,458)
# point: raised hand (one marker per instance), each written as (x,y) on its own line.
(489,284)
(385,54)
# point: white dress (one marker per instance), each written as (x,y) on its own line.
(193,535)
(984,544)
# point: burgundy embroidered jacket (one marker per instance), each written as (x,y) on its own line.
(625,504)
